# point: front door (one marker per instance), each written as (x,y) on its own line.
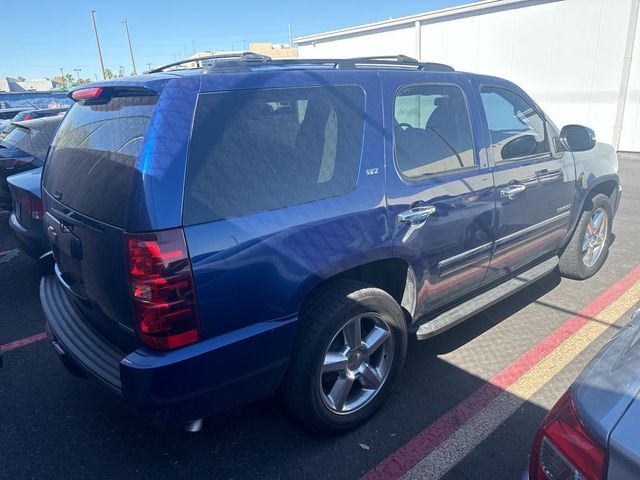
(535,186)
(439,189)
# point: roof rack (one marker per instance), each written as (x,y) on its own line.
(248,57)
(385,60)
(401,60)
(245,59)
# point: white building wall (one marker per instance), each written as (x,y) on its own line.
(389,41)
(630,138)
(568,55)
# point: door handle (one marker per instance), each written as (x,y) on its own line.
(416,215)
(512,191)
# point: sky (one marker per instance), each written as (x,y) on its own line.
(42,37)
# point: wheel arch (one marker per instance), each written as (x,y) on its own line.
(393,275)
(606,185)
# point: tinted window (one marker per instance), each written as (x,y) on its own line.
(17,138)
(432,130)
(254,150)
(516,128)
(35,139)
(92,162)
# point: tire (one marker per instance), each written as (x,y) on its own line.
(574,261)
(326,321)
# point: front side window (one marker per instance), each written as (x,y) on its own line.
(516,129)
(256,150)
(432,130)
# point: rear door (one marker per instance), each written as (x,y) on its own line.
(535,185)
(284,187)
(88,177)
(439,188)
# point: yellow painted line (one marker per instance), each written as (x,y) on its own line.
(555,361)
(456,447)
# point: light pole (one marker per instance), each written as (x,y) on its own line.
(148,67)
(126,29)
(95,30)
(77,70)
(61,74)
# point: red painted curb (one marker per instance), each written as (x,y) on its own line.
(412,452)
(7,347)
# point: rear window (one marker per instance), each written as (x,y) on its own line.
(256,150)
(35,139)
(92,162)
(17,138)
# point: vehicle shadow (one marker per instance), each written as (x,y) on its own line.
(82,430)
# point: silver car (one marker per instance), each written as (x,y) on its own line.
(593,430)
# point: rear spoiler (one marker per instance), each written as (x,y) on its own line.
(97,94)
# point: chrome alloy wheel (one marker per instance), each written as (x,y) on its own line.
(595,237)
(356,363)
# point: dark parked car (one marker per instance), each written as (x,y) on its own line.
(30,115)
(9,113)
(26,218)
(24,149)
(592,432)
(221,233)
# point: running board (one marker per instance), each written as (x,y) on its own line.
(475,305)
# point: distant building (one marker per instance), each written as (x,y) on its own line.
(273,50)
(10,84)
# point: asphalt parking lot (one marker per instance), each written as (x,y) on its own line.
(466,406)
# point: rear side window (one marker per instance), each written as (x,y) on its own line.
(92,162)
(256,150)
(432,130)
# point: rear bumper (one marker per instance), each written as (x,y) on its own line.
(171,388)
(34,244)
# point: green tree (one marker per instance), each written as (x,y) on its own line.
(21,79)
(108,73)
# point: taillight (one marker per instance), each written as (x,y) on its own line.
(13,163)
(162,289)
(34,207)
(86,93)
(563,448)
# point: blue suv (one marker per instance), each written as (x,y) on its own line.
(242,226)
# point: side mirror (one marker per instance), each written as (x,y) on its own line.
(576,138)
(519,147)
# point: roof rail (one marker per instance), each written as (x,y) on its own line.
(401,60)
(244,59)
(248,57)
